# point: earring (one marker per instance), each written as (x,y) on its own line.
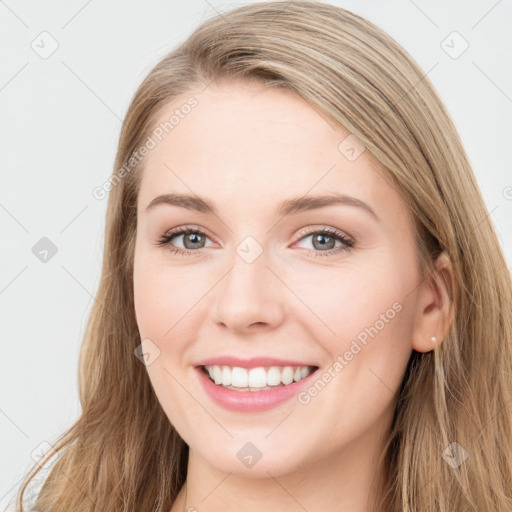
(434,339)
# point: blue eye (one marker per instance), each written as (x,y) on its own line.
(195,238)
(324,238)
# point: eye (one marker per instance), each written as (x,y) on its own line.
(324,241)
(193,239)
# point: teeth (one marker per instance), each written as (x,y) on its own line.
(239,377)
(273,376)
(287,375)
(226,376)
(256,378)
(217,375)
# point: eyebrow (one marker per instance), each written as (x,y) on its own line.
(287,207)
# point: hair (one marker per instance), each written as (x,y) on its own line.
(123,453)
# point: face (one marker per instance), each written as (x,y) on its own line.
(272,278)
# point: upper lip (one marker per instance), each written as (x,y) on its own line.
(254,362)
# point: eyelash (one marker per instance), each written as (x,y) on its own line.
(165,240)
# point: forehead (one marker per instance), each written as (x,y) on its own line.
(244,141)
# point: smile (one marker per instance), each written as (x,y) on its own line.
(253,389)
(256,379)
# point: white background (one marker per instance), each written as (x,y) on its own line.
(60,121)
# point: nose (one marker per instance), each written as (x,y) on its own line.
(249,297)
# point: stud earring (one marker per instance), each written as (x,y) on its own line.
(434,339)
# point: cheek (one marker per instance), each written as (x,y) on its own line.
(360,312)
(362,320)
(167,300)
(152,300)
(164,300)
(344,301)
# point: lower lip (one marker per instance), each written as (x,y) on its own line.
(250,401)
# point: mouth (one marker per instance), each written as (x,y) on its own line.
(261,378)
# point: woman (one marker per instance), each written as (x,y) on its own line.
(225,364)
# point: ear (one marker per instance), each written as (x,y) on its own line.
(434,306)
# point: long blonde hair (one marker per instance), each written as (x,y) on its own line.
(123,454)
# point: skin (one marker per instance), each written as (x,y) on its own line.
(247,149)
